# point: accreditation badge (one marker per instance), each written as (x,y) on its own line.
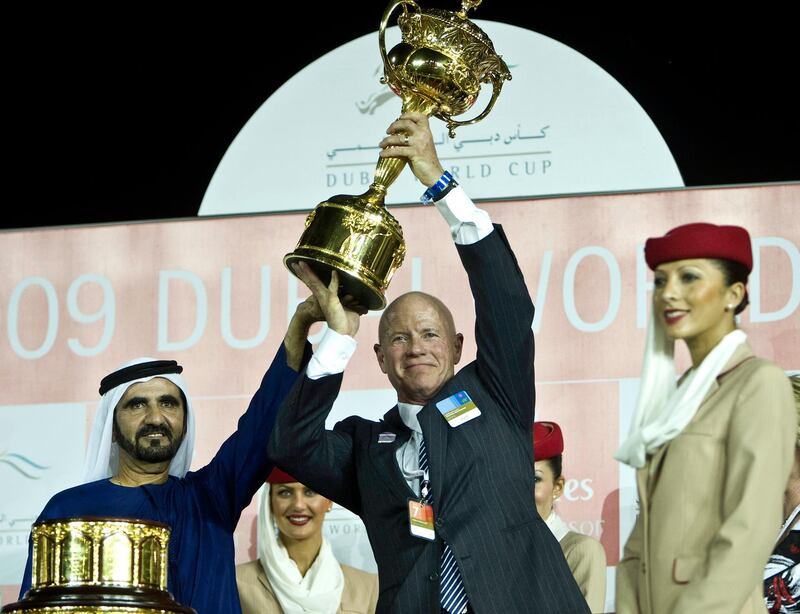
(458,409)
(420,519)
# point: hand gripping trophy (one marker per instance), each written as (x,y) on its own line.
(437,69)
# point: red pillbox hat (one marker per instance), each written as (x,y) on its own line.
(547,440)
(700,240)
(280,477)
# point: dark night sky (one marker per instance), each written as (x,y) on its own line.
(125,116)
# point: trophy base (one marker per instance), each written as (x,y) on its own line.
(96,600)
(94,565)
(359,239)
(367,295)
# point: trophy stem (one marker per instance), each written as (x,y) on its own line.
(389,169)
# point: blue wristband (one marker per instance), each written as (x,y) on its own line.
(439,189)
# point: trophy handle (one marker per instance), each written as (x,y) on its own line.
(387,65)
(497,86)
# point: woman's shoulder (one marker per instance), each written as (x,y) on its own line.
(248,572)
(580,545)
(255,593)
(746,365)
(352,574)
(360,590)
(761,380)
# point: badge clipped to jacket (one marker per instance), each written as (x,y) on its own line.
(458,409)
(420,519)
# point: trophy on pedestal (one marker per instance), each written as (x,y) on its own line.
(98,566)
(437,69)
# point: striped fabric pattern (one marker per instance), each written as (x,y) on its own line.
(452,594)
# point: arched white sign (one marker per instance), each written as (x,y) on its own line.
(562,125)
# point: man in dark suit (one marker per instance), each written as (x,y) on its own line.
(444,481)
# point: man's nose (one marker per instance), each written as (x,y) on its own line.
(415,346)
(154,415)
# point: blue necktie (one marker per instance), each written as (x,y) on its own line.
(452,595)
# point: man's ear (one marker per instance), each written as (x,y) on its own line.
(185,403)
(458,345)
(380,356)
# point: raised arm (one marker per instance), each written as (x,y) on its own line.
(503,308)
(241,464)
(503,318)
(295,342)
(300,444)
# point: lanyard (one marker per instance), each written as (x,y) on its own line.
(425,478)
(425,489)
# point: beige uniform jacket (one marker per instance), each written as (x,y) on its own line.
(360,594)
(710,501)
(587,562)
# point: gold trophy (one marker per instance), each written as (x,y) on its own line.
(437,70)
(98,565)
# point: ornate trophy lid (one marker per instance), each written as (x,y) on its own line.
(454,35)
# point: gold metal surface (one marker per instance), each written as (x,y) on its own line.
(84,552)
(437,69)
(443,58)
(99,566)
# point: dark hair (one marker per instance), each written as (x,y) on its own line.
(556,465)
(734,272)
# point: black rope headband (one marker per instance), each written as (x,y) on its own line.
(144,369)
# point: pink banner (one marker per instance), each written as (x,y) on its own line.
(212,293)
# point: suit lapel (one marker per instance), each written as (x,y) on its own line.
(434,430)
(384,455)
(437,432)
(653,469)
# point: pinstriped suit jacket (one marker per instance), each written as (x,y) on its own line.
(481,472)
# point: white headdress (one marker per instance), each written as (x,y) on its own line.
(319,591)
(102,455)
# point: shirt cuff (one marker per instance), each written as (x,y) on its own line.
(331,356)
(468,224)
